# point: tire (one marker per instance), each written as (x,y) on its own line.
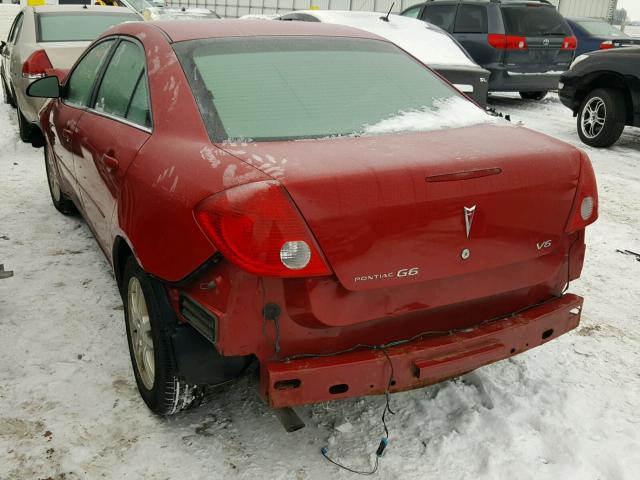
(8,98)
(62,203)
(24,127)
(602,117)
(150,321)
(533,95)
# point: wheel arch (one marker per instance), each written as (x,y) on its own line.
(609,80)
(120,254)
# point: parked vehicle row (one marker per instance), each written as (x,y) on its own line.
(45,38)
(333,236)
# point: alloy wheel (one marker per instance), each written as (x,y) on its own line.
(594,115)
(140,328)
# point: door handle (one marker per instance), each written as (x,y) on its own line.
(112,163)
(66,133)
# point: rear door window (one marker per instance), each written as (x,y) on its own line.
(442,16)
(534,21)
(82,78)
(471,19)
(120,79)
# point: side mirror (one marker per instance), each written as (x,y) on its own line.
(3,44)
(47,87)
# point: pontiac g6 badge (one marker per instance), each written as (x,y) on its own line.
(469,212)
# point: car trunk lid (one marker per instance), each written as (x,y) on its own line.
(63,55)
(404,208)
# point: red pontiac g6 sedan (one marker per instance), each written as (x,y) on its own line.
(313,198)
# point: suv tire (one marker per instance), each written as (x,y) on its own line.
(533,95)
(150,321)
(601,118)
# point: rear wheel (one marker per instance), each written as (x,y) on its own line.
(8,98)
(150,322)
(24,127)
(601,118)
(62,203)
(533,95)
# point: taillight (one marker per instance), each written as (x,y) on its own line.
(569,43)
(607,45)
(585,207)
(507,42)
(36,65)
(257,227)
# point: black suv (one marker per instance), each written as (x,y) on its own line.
(526,45)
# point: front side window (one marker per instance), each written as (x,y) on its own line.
(412,12)
(77,26)
(83,76)
(471,19)
(317,87)
(442,16)
(121,77)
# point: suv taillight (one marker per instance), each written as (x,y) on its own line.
(569,43)
(36,65)
(585,207)
(257,227)
(607,45)
(507,42)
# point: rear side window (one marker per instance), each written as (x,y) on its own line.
(138,111)
(442,16)
(471,19)
(534,21)
(120,79)
(76,26)
(412,12)
(83,76)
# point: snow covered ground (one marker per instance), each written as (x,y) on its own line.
(69,406)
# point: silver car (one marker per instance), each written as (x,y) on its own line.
(44,38)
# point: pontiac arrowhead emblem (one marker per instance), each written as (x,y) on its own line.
(469,212)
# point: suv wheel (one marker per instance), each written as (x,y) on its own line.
(533,95)
(602,117)
(150,322)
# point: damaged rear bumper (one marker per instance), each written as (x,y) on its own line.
(417,363)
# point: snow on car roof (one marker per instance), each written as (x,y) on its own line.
(426,42)
(198,29)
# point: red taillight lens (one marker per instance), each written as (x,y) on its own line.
(607,45)
(507,42)
(36,65)
(257,227)
(570,43)
(585,207)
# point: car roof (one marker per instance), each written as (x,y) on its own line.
(428,43)
(199,29)
(80,8)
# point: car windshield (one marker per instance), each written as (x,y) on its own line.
(273,88)
(77,26)
(138,5)
(534,21)
(601,29)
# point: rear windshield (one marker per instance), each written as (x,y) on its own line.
(601,29)
(534,21)
(77,26)
(273,88)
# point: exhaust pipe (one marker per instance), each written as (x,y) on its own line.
(289,419)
